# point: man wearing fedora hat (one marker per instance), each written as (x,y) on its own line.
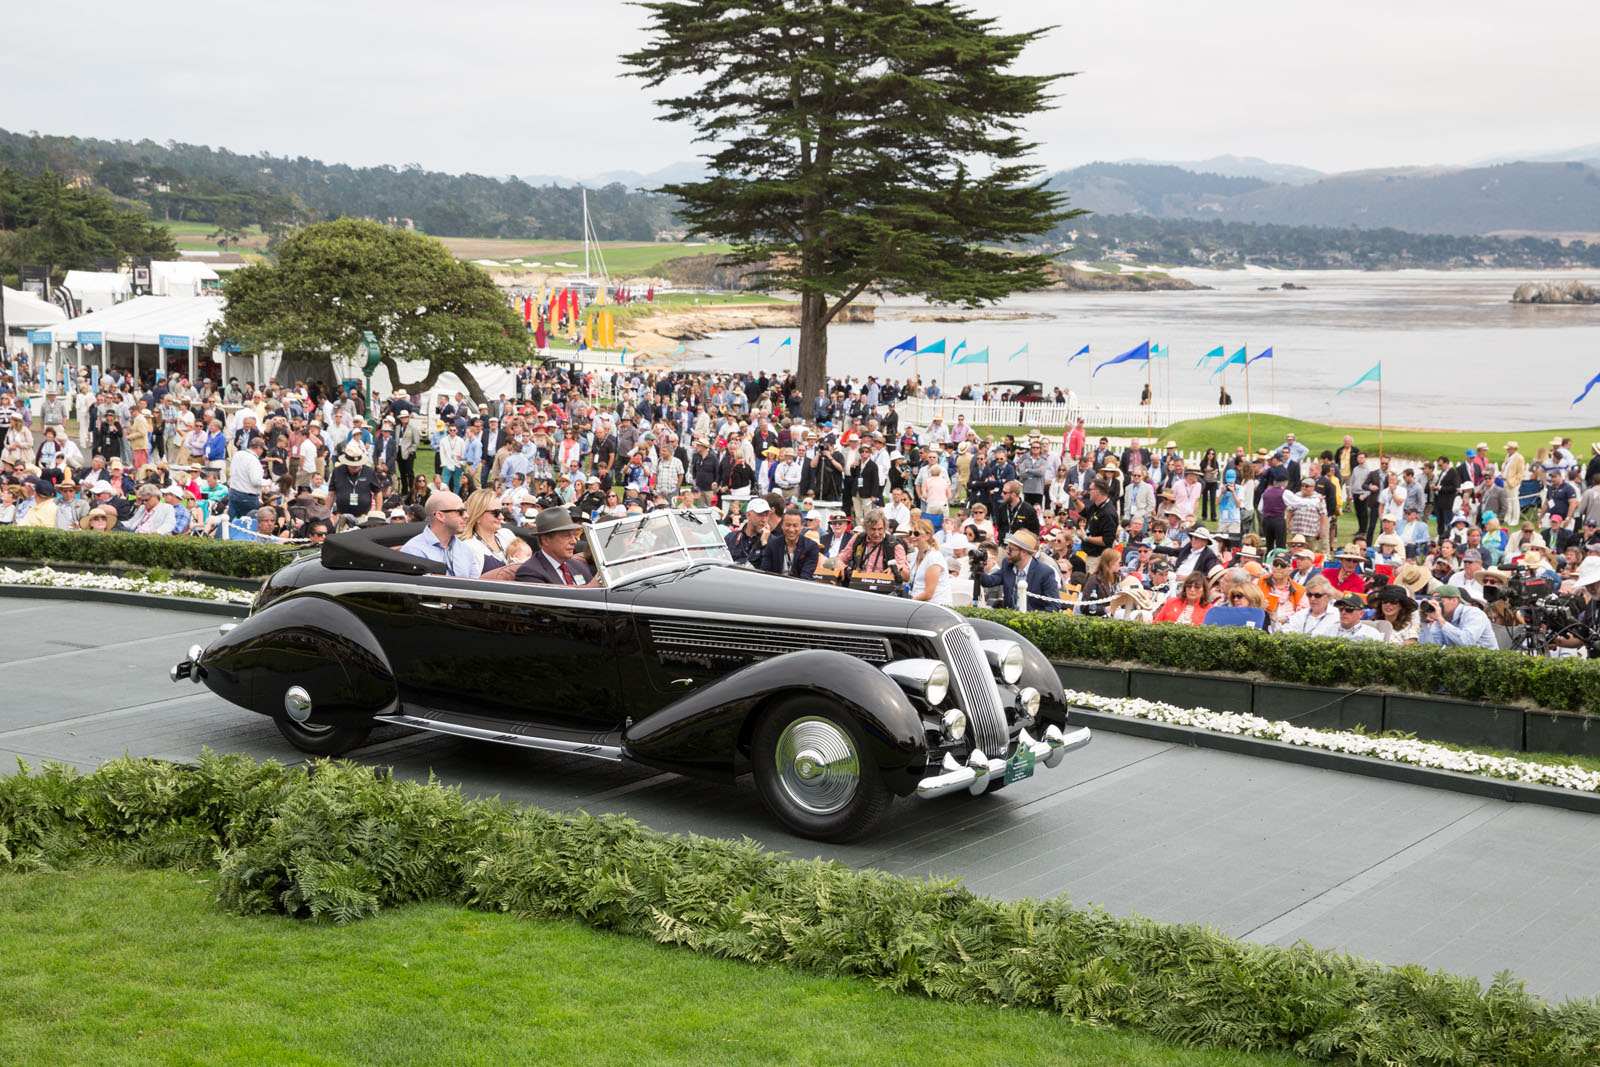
(554,562)
(1025,583)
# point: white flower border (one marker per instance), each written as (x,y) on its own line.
(45,576)
(1392,749)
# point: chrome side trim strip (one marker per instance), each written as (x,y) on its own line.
(610,753)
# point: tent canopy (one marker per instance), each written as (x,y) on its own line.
(146,320)
(27,311)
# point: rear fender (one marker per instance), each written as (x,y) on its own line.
(703,733)
(307,641)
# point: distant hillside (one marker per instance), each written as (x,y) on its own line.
(1534,197)
(196,183)
(1148,189)
(1240,167)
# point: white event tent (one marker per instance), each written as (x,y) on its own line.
(163,332)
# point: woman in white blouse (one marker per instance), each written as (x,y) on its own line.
(930,576)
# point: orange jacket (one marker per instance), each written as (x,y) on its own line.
(1297,593)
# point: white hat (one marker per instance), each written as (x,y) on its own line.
(757,506)
(1200,533)
(1589,570)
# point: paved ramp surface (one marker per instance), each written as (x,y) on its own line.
(1267,851)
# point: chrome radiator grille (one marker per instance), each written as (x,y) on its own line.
(700,636)
(976,688)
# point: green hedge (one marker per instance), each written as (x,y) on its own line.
(1467,673)
(234,559)
(340,842)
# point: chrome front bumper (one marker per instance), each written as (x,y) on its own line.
(979,770)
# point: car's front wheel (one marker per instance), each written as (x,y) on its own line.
(319,739)
(815,772)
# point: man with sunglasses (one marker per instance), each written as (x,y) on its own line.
(1315,619)
(441,541)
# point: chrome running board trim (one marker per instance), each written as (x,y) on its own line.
(611,753)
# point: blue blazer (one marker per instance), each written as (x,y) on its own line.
(1041,582)
(806,557)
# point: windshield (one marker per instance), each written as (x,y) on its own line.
(661,540)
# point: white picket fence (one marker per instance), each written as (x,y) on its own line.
(1096,414)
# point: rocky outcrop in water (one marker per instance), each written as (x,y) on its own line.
(1573,292)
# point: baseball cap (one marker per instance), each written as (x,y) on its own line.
(757,507)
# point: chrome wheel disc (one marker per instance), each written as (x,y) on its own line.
(817,765)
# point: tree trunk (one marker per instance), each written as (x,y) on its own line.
(812,362)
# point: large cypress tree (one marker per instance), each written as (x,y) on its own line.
(861,146)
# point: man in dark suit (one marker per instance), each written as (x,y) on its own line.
(553,562)
(790,553)
(1041,590)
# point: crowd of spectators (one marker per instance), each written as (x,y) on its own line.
(838,486)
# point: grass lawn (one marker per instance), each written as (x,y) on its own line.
(1226,432)
(107,966)
(195,237)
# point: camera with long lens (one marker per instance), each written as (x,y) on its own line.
(1546,611)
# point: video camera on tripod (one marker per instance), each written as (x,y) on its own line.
(1546,612)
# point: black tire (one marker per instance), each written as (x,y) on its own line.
(320,740)
(815,772)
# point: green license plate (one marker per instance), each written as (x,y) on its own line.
(1019,766)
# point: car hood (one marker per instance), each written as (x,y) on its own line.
(739,591)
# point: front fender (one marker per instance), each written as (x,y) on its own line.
(309,641)
(707,733)
(1037,670)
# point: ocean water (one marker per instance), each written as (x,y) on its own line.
(1455,351)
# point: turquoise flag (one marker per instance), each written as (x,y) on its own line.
(1237,357)
(785,343)
(935,349)
(1215,353)
(1019,352)
(680,350)
(1159,352)
(980,356)
(1084,351)
(1140,354)
(956,351)
(1373,375)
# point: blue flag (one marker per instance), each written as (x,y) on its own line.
(1140,354)
(1374,375)
(908,345)
(1084,351)
(935,349)
(980,356)
(1265,353)
(1237,357)
(1592,383)
(756,340)
(1215,353)
(1019,352)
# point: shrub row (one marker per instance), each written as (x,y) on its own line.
(1467,673)
(233,559)
(340,842)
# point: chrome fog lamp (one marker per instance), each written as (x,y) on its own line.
(1005,657)
(927,678)
(954,724)
(1028,701)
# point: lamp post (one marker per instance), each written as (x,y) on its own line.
(368,353)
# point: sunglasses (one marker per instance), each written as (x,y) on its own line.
(1319,596)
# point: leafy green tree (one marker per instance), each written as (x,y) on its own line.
(45,220)
(335,279)
(862,145)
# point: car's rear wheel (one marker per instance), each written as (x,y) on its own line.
(815,772)
(320,739)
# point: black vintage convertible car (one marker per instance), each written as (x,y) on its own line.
(836,700)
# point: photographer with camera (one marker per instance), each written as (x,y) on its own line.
(1449,620)
(1026,584)
(1578,638)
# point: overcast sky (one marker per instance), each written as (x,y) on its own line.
(517,88)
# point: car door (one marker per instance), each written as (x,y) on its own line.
(508,650)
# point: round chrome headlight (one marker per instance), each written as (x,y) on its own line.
(1005,658)
(1028,701)
(955,724)
(927,678)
